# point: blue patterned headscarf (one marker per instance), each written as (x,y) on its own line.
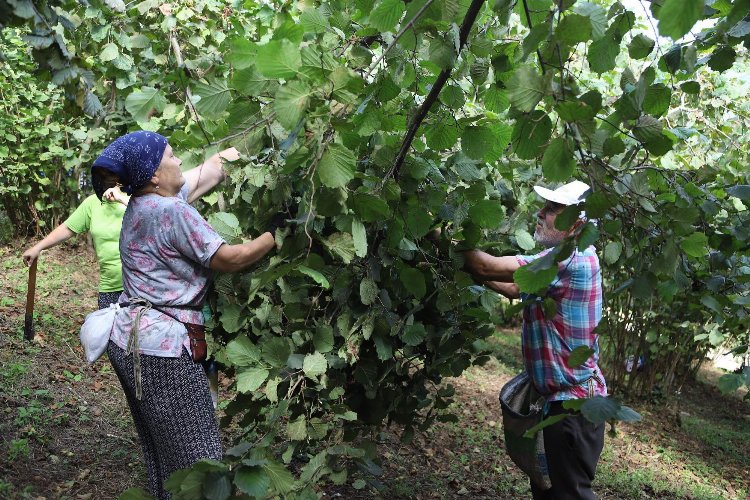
(134,157)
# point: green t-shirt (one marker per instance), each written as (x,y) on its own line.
(104,221)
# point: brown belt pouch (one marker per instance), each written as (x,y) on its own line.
(197,335)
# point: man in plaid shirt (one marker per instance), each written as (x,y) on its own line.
(572,445)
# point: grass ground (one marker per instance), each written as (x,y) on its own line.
(65,431)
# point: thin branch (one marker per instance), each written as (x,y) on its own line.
(252,127)
(528,21)
(181,66)
(403,30)
(463,35)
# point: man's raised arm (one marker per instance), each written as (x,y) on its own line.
(485,267)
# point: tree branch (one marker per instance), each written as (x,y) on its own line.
(463,35)
(528,21)
(403,30)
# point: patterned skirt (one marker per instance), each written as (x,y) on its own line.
(107,298)
(175,415)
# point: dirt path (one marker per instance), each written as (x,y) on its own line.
(65,431)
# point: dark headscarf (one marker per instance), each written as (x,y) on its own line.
(134,157)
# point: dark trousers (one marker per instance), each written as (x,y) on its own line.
(572,447)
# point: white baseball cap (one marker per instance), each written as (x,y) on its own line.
(571,193)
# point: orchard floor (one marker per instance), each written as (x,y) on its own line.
(65,431)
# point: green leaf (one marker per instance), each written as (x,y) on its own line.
(442,52)
(558,163)
(603,53)
(368,291)
(597,17)
(691,87)
(546,422)
(217,486)
(413,281)
(530,134)
(414,335)
(565,219)
(657,100)
(441,135)
(496,100)
(525,88)
(142,102)
(315,275)
(530,281)
(215,97)
(524,239)
(323,338)
(278,59)
(712,304)
(314,364)
(226,224)
(536,35)
(337,166)
(248,81)
(297,429)
(370,208)
(741,191)
(677,17)
(313,21)
(359,235)
(549,307)
(242,53)
(291,102)
(573,29)
(716,338)
(134,494)
(250,379)
(109,52)
(487,213)
(252,480)
(647,128)
(341,245)
(579,356)
(282,480)
(232,318)
(452,96)
(600,409)
(116,5)
(695,245)
(575,111)
(418,222)
(612,252)
(722,59)
(730,382)
(276,351)
(627,414)
(588,235)
(386,15)
(641,46)
(242,352)
(501,135)
(383,347)
(476,141)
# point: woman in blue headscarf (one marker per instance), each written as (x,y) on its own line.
(168,252)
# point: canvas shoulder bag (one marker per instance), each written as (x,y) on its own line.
(522,408)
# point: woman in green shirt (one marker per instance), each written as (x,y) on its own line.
(103,219)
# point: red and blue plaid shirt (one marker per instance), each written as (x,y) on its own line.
(547,343)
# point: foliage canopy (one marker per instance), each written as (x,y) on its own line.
(369,123)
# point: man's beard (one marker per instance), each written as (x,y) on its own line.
(547,238)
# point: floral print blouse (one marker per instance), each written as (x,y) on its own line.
(166,248)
